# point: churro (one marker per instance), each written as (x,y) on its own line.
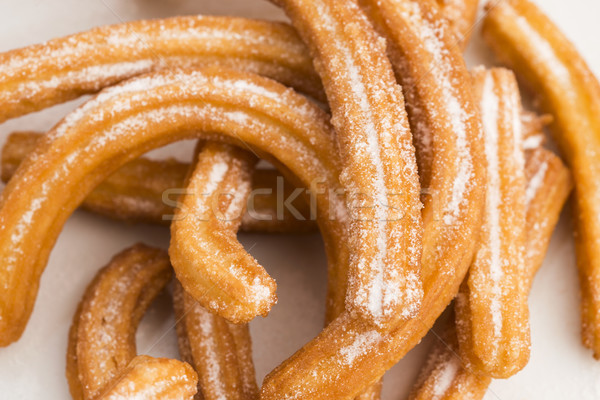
(492,316)
(379,163)
(549,183)
(39,76)
(145,113)
(348,347)
(526,40)
(140,192)
(219,350)
(210,263)
(102,336)
(149,378)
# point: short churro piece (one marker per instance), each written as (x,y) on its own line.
(212,266)
(526,40)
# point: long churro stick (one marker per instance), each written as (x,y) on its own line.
(549,184)
(492,315)
(379,164)
(525,39)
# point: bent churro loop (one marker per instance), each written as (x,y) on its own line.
(102,336)
(348,347)
(140,191)
(492,315)
(525,39)
(43,75)
(549,184)
(379,163)
(219,350)
(210,263)
(149,378)
(126,121)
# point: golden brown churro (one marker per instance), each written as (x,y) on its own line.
(348,348)
(43,75)
(492,315)
(210,263)
(219,350)
(549,184)
(379,162)
(149,378)
(165,106)
(526,40)
(140,192)
(102,336)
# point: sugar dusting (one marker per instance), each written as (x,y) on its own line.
(535,183)
(489,115)
(445,376)
(360,346)
(442,70)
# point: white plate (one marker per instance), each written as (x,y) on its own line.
(34,367)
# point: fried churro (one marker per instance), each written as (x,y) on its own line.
(548,64)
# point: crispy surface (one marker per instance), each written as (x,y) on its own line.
(526,40)
(135,192)
(149,378)
(220,351)
(39,76)
(70,162)
(378,158)
(102,336)
(549,183)
(212,266)
(492,316)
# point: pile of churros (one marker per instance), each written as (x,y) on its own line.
(430,184)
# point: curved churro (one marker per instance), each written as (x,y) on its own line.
(348,347)
(549,184)
(43,75)
(219,350)
(492,315)
(525,39)
(210,263)
(102,336)
(140,191)
(132,118)
(462,15)
(148,378)
(379,163)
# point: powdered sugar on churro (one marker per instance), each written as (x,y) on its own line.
(489,115)
(445,376)
(360,346)
(458,122)
(535,183)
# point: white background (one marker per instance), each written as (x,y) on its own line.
(34,367)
